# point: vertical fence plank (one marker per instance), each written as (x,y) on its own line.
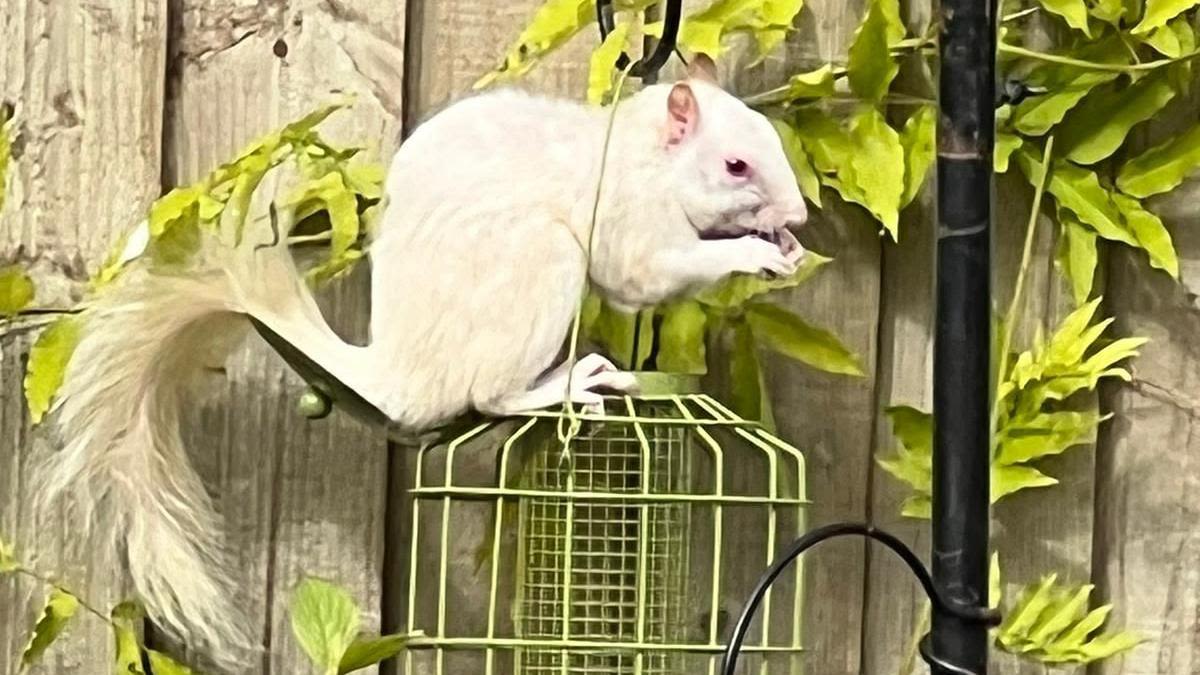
(298,497)
(86,81)
(1147,541)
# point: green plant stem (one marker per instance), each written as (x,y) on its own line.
(51,582)
(1020,15)
(1014,306)
(573,421)
(1092,65)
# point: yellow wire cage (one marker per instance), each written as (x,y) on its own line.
(630,558)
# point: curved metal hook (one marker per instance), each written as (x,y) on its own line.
(648,66)
(984,615)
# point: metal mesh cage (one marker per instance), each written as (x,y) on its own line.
(629,559)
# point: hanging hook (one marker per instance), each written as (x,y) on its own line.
(649,66)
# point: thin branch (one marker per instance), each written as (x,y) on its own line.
(1092,65)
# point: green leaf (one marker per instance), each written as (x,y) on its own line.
(785,333)
(995,589)
(811,85)
(1075,12)
(798,159)
(16,290)
(1159,12)
(1061,615)
(777,17)
(1051,624)
(918,506)
(1044,435)
(161,664)
(1009,479)
(1109,11)
(913,461)
(1038,114)
(703,31)
(604,62)
(871,68)
(365,652)
(1165,41)
(1099,126)
(47,366)
(1151,234)
(59,609)
(1079,190)
(918,141)
(618,331)
(553,25)
(1031,601)
(681,346)
(126,619)
(740,288)
(747,387)
(1006,145)
(1077,258)
(325,622)
(878,163)
(1163,167)
(5,155)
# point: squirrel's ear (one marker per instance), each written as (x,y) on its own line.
(701,67)
(683,113)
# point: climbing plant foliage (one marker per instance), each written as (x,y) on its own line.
(857,131)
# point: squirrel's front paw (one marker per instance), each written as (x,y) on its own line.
(757,255)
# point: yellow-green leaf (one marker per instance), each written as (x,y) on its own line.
(16,290)
(788,334)
(1159,12)
(1099,126)
(1030,603)
(1038,114)
(681,347)
(325,622)
(1077,258)
(702,31)
(554,23)
(814,84)
(777,17)
(47,366)
(918,140)
(5,155)
(1009,479)
(917,506)
(747,388)
(1075,12)
(161,664)
(798,159)
(1061,615)
(60,607)
(1079,191)
(1107,646)
(126,620)
(740,288)
(365,652)
(871,67)
(1163,167)
(1151,234)
(603,63)
(1165,41)
(1006,145)
(995,589)
(878,163)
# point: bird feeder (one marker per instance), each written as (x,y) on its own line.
(632,556)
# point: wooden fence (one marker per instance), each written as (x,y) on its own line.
(118,99)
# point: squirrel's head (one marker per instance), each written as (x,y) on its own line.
(729,170)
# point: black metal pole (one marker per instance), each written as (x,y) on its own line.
(962,386)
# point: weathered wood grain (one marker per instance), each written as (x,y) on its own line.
(298,497)
(1147,541)
(86,82)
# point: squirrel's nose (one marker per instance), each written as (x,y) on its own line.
(796,217)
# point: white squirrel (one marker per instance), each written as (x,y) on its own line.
(480,261)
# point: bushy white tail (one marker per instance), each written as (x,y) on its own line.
(123,463)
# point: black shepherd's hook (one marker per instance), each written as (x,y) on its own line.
(647,67)
(977,615)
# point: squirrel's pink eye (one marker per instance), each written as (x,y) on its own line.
(736,167)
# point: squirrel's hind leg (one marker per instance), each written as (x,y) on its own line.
(578,383)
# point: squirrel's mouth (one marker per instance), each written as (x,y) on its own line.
(783,238)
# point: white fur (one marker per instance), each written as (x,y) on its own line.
(477,271)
